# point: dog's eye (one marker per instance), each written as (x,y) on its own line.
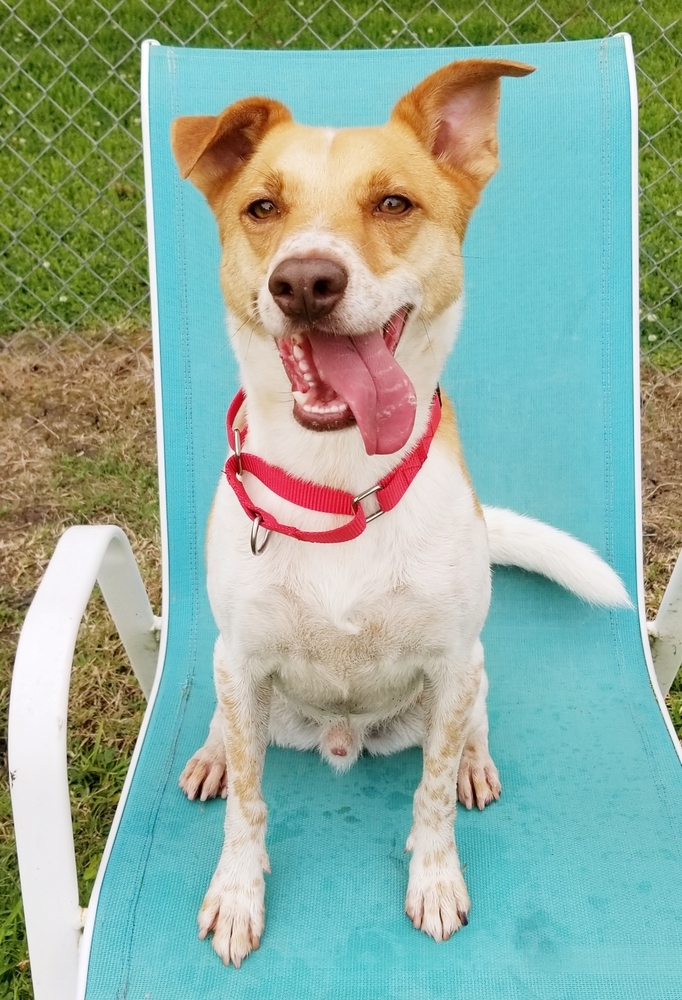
(263,209)
(394,204)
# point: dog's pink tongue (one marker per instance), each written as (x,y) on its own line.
(364,373)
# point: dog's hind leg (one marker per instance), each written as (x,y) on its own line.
(205,773)
(478,781)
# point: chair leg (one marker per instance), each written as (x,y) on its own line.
(665,632)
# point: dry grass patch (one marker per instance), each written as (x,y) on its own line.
(661,479)
(78,446)
(662,494)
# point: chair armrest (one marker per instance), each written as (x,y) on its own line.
(37,734)
(665,632)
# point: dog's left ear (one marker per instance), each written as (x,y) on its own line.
(453,113)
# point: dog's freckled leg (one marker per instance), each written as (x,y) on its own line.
(437,899)
(233,907)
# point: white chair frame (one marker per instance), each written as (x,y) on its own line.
(665,632)
(84,556)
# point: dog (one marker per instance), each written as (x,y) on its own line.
(342,273)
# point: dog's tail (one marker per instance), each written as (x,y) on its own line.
(516,540)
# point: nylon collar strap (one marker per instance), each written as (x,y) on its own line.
(389,490)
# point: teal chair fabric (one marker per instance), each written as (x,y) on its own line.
(575,873)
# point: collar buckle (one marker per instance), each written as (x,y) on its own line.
(356,501)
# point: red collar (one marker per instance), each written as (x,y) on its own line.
(389,490)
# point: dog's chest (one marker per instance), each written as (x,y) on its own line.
(366,657)
(342,642)
(349,628)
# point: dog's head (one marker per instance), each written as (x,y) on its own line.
(342,249)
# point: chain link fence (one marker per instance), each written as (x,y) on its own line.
(72,228)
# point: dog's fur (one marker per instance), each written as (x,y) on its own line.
(371,643)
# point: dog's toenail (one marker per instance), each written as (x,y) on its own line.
(463,919)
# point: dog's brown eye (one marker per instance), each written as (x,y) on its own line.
(394,204)
(263,209)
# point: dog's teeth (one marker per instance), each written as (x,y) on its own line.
(303,365)
(298,351)
(296,339)
(310,379)
(321,409)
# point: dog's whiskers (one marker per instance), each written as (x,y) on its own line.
(426,331)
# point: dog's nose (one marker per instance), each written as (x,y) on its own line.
(307,288)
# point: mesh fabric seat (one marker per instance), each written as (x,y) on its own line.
(573,874)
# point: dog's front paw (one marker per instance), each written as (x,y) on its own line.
(234,909)
(437,899)
(478,781)
(205,774)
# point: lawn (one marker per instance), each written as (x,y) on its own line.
(72,244)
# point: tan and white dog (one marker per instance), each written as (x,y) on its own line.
(342,273)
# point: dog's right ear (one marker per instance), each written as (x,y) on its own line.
(209,149)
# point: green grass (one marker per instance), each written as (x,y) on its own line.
(72,242)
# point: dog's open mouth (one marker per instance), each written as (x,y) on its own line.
(339,380)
